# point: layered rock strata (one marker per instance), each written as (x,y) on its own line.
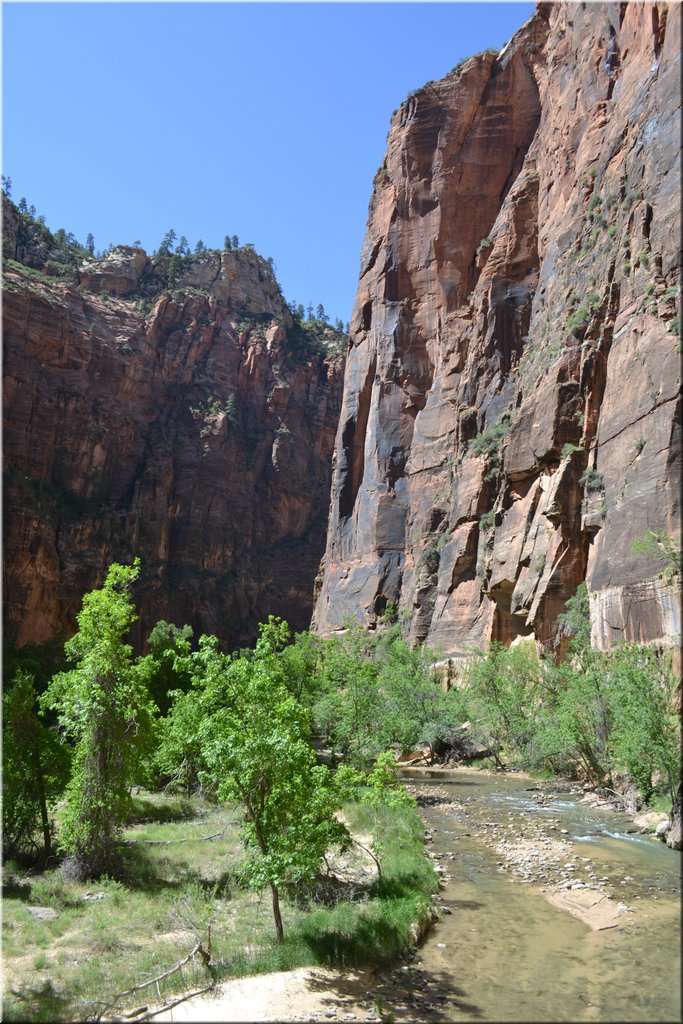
(511,421)
(193,427)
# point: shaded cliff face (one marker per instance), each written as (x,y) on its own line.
(510,423)
(192,427)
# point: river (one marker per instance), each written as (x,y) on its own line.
(511,853)
(505,846)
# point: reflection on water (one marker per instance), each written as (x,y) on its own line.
(514,957)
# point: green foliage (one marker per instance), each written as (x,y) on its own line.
(382,785)
(592,480)
(485,243)
(658,544)
(487,521)
(59,253)
(390,616)
(645,741)
(489,441)
(502,695)
(569,448)
(600,715)
(166,646)
(376,692)
(254,738)
(35,771)
(103,706)
(578,319)
(611,714)
(575,619)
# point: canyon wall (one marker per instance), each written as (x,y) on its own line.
(192,426)
(510,425)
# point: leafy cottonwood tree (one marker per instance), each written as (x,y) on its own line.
(254,738)
(501,695)
(373,691)
(104,706)
(35,770)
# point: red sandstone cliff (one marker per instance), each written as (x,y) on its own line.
(193,428)
(519,280)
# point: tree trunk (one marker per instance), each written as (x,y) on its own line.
(276,913)
(44,816)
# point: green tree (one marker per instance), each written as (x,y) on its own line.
(200,247)
(371,692)
(502,696)
(167,646)
(645,740)
(35,771)
(235,242)
(255,740)
(167,242)
(183,246)
(227,243)
(103,705)
(90,244)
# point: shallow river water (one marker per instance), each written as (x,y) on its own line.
(504,953)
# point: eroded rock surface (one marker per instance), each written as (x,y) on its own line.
(193,427)
(511,420)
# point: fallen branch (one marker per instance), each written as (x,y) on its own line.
(206,957)
(414,760)
(379,867)
(167,842)
(167,1006)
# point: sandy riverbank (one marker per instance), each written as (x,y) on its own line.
(307,994)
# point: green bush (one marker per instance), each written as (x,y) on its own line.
(376,692)
(488,442)
(578,319)
(35,772)
(592,480)
(501,697)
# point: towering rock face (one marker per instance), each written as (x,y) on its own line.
(192,427)
(511,422)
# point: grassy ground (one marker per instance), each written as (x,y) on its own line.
(98,940)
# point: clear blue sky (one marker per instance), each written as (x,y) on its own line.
(264,120)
